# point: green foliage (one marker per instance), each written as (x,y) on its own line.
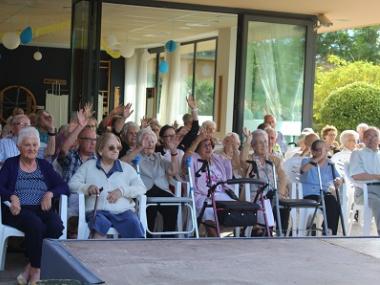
(350,45)
(329,80)
(352,104)
(204,93)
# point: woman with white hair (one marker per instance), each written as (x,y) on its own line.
(348,139)
(29,184)
(154,172)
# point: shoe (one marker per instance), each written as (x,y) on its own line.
(21,280)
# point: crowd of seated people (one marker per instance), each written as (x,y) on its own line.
(89,156)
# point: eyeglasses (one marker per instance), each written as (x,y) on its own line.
(21,124)
(88,139)
(169,136)
(114,148)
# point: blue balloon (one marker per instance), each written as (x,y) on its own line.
(26,35)
(163,66)
(171,46)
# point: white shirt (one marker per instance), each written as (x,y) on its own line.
(8,148)
(365,161)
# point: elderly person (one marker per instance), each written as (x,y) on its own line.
(329,175)
(29,184)
(167,136)
(189,131)
(365,167)
(272,122)
(45,126)
(361,128)
(120,184)
(128,137)
(329,134)
(220,170)
(273,146)
(8,145)
(230,151)
(154,172)
(348,139)
(259,167)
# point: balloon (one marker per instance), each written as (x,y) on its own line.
(11,40)
(26,35)
(113,53)
(171,46)
(37,55)
(163,66)
(127,52)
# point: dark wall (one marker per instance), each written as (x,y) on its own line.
(17,67)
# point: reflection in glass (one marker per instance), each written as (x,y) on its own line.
(275,75)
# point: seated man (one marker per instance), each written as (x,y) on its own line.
(365,167)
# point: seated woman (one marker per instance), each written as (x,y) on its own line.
(154,172)
(259,168)
(310,181)
(30,183)
(348,140)
(230,151)
(220,170)
(120,184)
(329,134)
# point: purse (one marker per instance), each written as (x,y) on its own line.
(237,213)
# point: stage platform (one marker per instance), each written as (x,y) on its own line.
(215,261)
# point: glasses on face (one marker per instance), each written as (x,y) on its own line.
(22,124)
(88,139)
(320,149)
(114,148)
(168,136)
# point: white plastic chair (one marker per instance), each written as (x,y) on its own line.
(8,231)
(84,230)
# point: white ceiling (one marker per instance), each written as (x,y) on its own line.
(146,27)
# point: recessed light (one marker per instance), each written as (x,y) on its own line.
(198,25)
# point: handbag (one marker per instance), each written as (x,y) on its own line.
(237,213)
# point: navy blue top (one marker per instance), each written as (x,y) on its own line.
(30,187)
(10,170)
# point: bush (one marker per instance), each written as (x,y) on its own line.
(352,104)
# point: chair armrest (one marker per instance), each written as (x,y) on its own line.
(63,205)
(141,208)
(82,225)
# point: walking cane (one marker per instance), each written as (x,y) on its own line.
(92,233)
(338,199)
(322,197)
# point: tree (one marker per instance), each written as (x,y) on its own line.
(352,104)
(350,45)
(343,73)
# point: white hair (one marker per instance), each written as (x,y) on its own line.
(258,133)
(28,132)
(208,123)
(145,132)
(345,134)
(362,126)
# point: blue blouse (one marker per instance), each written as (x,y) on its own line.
(30,187)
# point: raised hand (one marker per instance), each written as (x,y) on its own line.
(248,135)
(117,111)
(47,121)
(191,102)
(82,118)
(127,110)
(144,122)
(87,110)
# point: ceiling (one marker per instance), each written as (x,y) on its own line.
(146,27)
(343,14)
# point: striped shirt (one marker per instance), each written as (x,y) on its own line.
(30,187)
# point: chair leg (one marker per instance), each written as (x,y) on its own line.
(3,251)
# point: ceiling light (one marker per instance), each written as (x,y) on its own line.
(197,25)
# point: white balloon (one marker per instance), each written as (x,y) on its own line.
(127,52)
(11,40)
(37,55)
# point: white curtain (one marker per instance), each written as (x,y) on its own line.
(172,105)
(136,82)
(58,106)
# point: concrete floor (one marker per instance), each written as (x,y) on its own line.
(232,261)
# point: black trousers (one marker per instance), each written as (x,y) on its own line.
(36,225)
(169,213)
(332,210)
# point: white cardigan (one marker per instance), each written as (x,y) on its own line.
(127,181)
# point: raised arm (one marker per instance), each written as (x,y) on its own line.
(73,136)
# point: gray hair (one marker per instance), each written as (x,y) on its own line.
(129,125)
(145,132)
(208,123)
(362,126)
(28,132)
(257,133)
(345,134)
